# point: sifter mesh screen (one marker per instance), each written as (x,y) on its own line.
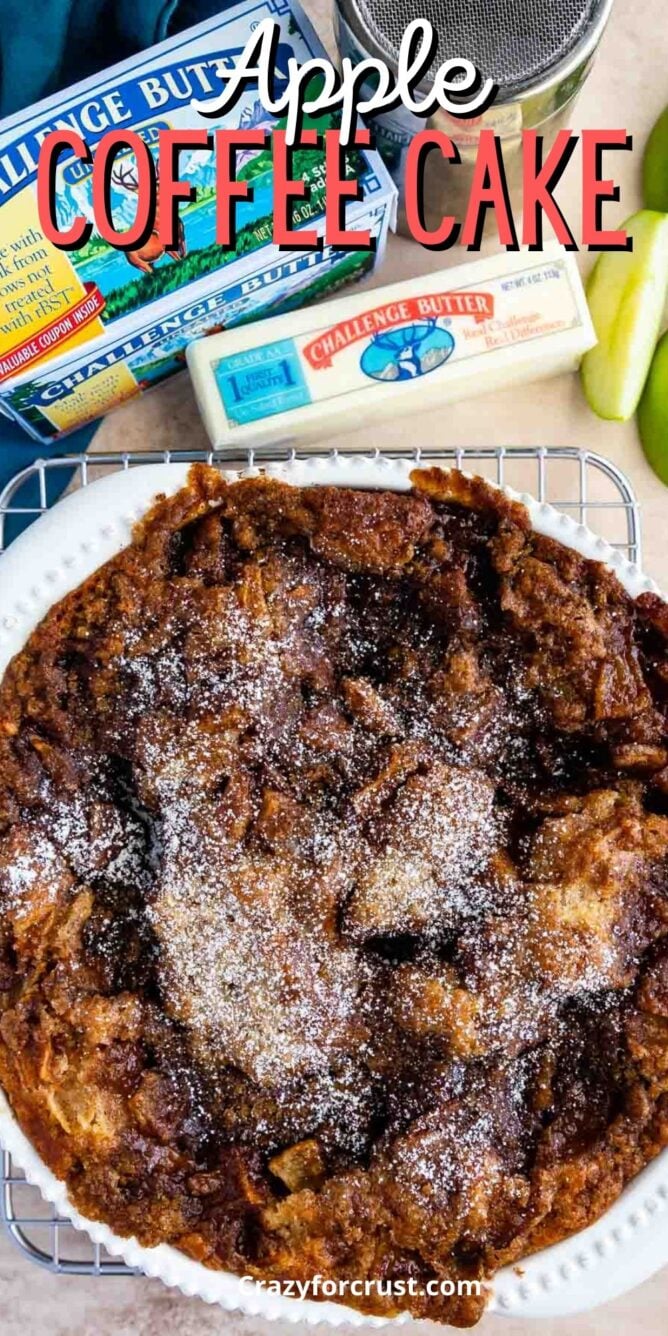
(513,41)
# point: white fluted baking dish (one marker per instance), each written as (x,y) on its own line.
(70,541)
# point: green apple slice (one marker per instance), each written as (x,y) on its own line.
(655,166)
(653,412)
(626,293)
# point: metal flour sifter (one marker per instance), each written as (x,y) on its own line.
(538,52)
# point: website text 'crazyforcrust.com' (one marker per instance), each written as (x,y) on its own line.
(325,1287)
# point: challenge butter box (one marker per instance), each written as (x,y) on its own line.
(113,324)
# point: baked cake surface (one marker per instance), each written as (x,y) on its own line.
(334,885)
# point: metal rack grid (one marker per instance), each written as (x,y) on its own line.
(581,483)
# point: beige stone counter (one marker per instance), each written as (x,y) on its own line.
(628,88)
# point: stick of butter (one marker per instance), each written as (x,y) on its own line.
(368,357)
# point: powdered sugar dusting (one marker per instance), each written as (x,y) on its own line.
(322,806)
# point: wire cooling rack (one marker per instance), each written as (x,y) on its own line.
(585,485)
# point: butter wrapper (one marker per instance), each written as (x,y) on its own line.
(398,349)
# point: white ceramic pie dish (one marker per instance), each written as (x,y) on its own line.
(630,1242)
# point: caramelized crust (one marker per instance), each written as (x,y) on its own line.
(333,885)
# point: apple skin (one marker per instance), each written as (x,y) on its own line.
(626,291)
(655,166)
(653,413)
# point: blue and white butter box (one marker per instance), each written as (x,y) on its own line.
(110,326)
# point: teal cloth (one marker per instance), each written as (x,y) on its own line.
(46,45)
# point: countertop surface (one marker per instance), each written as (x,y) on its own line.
(628,88)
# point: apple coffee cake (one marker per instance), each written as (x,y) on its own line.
(334,885)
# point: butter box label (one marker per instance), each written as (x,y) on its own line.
(58,396)
(54,303)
